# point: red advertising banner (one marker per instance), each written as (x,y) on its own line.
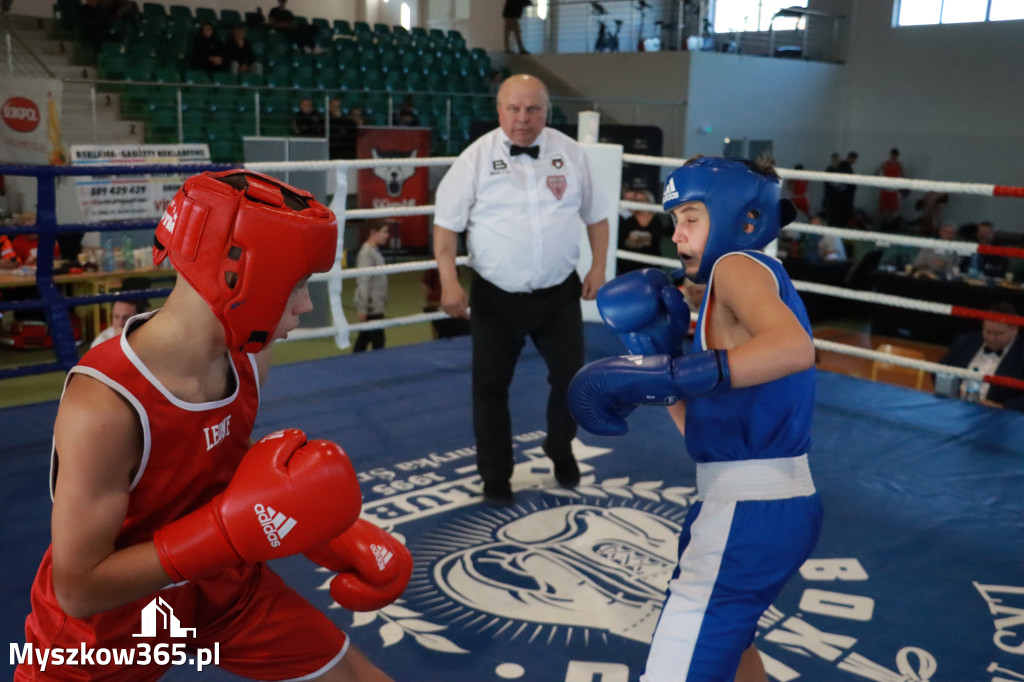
(396,185)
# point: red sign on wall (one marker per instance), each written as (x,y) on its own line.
(396,185)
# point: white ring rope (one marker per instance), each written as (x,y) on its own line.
(845,178)
(958,247)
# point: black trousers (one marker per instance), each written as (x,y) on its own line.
(373,338)
(500,323)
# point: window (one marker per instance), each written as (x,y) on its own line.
(733,16)
(927,12)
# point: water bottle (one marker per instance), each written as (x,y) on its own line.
(974,270)
(972,390)
(109,263)
(128,251)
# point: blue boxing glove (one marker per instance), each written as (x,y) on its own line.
(605,392)
(648,313)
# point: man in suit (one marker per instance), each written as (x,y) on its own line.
(996,349)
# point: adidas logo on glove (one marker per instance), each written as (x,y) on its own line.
(275,524)
(382,554)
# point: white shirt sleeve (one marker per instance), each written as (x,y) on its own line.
(456,193)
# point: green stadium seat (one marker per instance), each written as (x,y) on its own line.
(224,78)
(196,76)
(166,75)
(179,11)
(111,67)
(153,9)
(230,18)
(250,79)
(361,27)
(161,126)
(206,15)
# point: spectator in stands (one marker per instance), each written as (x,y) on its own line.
(996,350)
(641,232)
(207,50)
(5,7)
(986,265)
(94,22)
(406,115)
(798,194)
(841,205)
(238,54)
(120,313)
(830,247)
(931,205)
(281,19)
(935,263)
(889,199)
(512,13)
(831,189)
(343,128)
(308,122)
(8,256)
(357,116)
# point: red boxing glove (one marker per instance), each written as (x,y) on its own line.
(373,567)
(286,496)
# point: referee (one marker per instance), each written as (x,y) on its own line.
(521,193)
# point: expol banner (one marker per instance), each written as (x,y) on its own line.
(30,132)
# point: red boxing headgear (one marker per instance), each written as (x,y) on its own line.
(243,240)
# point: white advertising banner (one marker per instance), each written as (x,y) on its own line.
(30,121)
(130,197)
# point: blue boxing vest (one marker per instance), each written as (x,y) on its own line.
(758,422)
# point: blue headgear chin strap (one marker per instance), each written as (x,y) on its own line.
(730,189)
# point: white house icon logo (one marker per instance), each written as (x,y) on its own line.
(159,610)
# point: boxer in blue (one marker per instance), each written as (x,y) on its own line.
(743,398)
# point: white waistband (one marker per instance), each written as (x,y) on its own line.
(754,479)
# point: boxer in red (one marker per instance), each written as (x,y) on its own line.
(160,499)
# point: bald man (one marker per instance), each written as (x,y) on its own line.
(522,194)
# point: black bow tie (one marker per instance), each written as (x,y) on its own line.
(516,150)
(989,351)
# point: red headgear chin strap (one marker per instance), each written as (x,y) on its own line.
(243,240)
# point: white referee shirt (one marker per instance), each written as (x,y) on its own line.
(522,216)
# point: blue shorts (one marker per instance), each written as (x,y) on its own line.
(735,556)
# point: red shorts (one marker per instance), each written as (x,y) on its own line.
(261,628)
(888,202)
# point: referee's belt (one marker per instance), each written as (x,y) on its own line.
(537,292)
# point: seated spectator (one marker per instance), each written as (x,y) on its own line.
(937,263)
(8,256)
(120,313)
(238,54)
(341,132)
(94,22)
(355,114)
(641,231)
(995,350)
(406,116)
(281,19)
(984,265)
(207,50)
(830,247)
(931,206)
(308,122)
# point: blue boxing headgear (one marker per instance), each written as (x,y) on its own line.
(738,199)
